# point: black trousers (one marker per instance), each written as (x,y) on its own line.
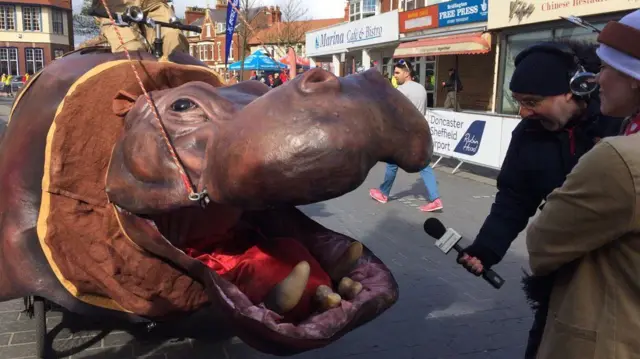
(536,331)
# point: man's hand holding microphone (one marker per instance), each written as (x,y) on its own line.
(448,239)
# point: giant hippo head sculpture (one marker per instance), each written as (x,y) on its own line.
(97,212)
(317,137)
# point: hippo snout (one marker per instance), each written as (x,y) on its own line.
(317,81)
(318,136)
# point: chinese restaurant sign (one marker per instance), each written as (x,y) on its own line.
(507,13)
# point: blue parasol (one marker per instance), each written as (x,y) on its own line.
(258,61)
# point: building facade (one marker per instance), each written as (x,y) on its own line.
(33,33)
(521,23)
(209,45)
(369,35)
(283,34)
(446,35)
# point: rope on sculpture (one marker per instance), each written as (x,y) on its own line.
(193,195)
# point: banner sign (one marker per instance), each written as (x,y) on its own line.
(449,13)
(419,19)
(468,137)
(369,31)
(507,13)
(459,12)
(232,19)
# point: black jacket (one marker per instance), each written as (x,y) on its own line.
(536,163)
(450,84)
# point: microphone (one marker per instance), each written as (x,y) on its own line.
(448,239)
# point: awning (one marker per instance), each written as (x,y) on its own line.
(466,44)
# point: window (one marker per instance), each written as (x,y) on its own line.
(220,27)
(193,50)
(415,4)
(35,59)
(58,53)
(9,60)
(368,8)
(7,17)
(57,21)
(360,9)
(578,33)
(518,42)
(31,18)
(203,55)
(219,51)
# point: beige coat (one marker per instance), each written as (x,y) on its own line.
(132,38)
(589,229)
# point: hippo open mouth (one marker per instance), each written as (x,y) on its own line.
(286,282)
(97,211)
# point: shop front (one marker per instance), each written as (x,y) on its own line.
(526,22)
(354,45)
(444,36)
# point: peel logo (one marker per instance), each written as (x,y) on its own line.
(470,143)
(483,6)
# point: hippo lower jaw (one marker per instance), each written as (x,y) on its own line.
(287,283)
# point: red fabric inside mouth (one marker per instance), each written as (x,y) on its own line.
(255,264)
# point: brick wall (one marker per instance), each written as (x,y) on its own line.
(476,74)
(386,3)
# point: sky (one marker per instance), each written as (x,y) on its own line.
(318,9)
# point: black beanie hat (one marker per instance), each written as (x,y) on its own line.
(541,73)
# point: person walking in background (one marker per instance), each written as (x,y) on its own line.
(277,81)
(452,87)
(418,96)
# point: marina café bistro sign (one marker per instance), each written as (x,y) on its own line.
(366,32)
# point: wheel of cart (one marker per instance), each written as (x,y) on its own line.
(36,307)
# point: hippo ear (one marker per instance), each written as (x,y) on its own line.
(123,102)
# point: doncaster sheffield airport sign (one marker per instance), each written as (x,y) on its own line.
(369,31)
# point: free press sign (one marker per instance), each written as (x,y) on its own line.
(448,13)
(462,12)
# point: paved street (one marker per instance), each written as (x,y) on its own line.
(5,107)
(443,311)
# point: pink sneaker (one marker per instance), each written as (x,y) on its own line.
(378,195)
(433,206)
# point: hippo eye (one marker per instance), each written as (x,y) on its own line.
(182,105)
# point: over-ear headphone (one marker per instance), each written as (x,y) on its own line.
(581,82)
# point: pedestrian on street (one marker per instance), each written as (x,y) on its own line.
(588,235)
(453,87)
(557,129)
(418,96)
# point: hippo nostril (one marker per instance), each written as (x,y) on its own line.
(319,80)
